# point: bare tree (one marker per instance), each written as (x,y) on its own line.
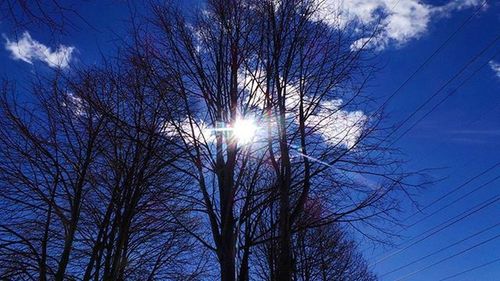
(47,159)
(326,253)
(277,64)
(88,190)
(234,136)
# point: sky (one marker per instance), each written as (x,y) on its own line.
(459,137)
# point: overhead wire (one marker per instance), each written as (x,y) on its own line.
(449,257)
(433,54)
(441,249)
(454,201)
(448,223)
(471,269)
(445,98)
(482,173)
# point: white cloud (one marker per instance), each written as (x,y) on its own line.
(75,103)
(399,21)
(335,125)
(27,49)
(199,132)
(338,126)
(458,5)
(495,66)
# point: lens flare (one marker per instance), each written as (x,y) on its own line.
(244,130)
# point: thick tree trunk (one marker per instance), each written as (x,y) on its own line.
(284,226)
(284,258)
(227,264)
(227,238)
(244,268)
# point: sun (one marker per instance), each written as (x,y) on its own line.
(244,131)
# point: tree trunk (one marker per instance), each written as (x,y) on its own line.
(284,258)
(227,238)
(227,263)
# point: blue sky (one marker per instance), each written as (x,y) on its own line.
(462,135)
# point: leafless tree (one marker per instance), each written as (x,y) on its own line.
(326,252)
(88,191)
(231,137)
(301,80)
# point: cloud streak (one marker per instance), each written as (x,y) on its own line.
(29,50)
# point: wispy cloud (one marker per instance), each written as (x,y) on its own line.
(400,20)
(485,132)
(28,50)
(474,136)
(495,66)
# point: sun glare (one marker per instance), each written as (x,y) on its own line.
(244,130)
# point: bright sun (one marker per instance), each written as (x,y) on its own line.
(244,130)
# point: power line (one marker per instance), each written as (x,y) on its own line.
(442,249)
(454,77)
(443,226)
(444,99)
(429,99)
(421,66)
(450,257)
(424,64)
(454,201)
(464,214)
(455,189)
(464,67)
(449,81)
(471,269)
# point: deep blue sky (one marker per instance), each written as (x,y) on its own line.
(462,135)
